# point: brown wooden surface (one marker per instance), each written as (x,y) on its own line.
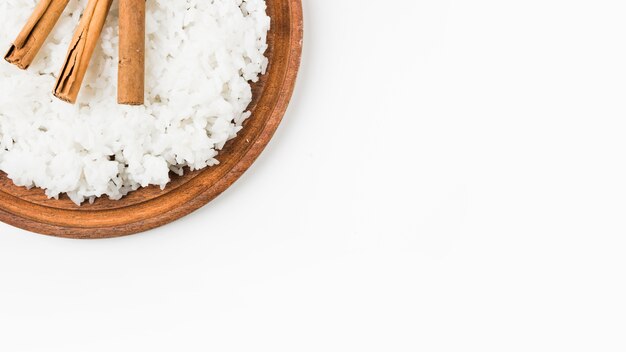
(150,207)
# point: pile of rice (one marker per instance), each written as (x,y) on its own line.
(201,57)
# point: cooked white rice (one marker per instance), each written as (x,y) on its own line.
(201,55)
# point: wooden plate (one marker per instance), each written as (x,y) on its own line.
(150,207)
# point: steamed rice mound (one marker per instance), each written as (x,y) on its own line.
(201,56)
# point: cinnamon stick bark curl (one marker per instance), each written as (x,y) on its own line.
(131,69)
(81,49)
(32,37)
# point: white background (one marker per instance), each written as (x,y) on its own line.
(450,176)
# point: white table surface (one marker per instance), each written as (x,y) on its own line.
(450,176)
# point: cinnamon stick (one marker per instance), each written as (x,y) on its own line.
(81,49)
(34,34)
(131,69)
